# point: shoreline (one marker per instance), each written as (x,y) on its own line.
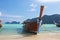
(39,36)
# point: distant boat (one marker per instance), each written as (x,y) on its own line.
(57,24)
(0,24)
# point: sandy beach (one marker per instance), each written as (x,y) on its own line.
(39,36)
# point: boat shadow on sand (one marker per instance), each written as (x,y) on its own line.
(20,31)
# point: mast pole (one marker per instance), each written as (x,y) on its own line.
(41,11)
(40,18)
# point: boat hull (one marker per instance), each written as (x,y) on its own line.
(0,25)
(58,25)
(31,27)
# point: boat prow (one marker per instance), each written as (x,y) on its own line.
(0,25)
(57,24)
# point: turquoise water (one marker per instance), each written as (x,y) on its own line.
(11,29)
(14,29)
(49,28)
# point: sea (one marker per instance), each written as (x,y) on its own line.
(16,29)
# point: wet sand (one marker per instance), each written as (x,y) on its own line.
(39,36)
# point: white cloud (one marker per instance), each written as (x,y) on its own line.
(48,0)
(33,5)
(11,16)
(0,13)
(32,10)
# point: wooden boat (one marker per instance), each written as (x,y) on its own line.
(31,25)
(0,24)
(57,24)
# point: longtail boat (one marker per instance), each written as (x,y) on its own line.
(57,24)
(0,24)
(32,25)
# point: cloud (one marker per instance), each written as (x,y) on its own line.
(0,13)
(32,7)
(48,1)
(11,16)
(32,10)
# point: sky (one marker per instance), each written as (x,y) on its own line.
(20,10)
